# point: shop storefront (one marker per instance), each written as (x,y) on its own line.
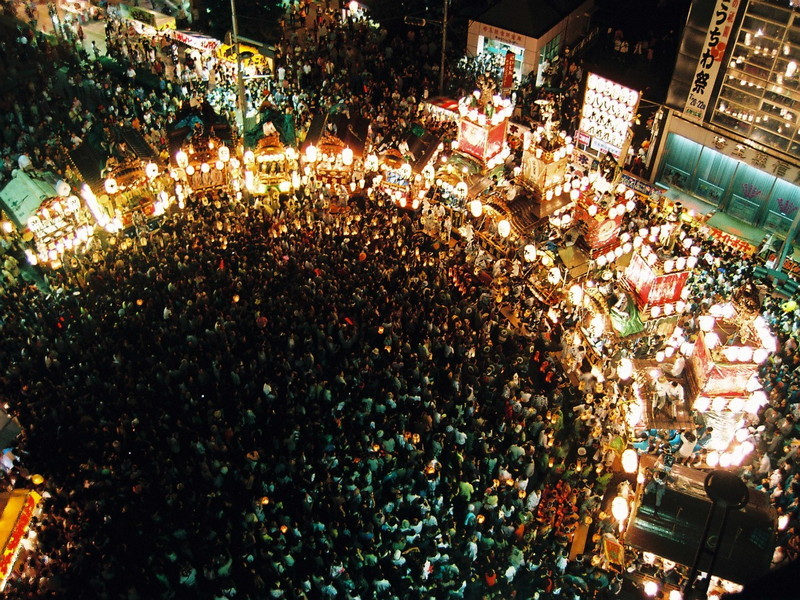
(535,32)
(732,178)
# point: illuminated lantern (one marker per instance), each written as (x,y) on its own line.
(630,460)
(712,459)
(311,153)
(504,228)
(182,159)
(650,588)
(347,157)
(151,170)
(706,322)
(476,208)
(702,403)
(530,252)
(111,186)
(620,508)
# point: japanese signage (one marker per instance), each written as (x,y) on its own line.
(705,75)
(201,42)
(608,111)
(508,70)
(501,35)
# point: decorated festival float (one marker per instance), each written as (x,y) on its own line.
(546,156)
(200,143)
(329,167)
(271,168)
(733,341)
(47,214)
(135,194)
(17,511)
(482,125)
(668,524)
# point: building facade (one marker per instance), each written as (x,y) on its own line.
(732,133)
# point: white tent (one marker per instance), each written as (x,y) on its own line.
(23,195)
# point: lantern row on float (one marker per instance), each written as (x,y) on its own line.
(608,112)
(482,127)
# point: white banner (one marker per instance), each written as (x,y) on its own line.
(705,75)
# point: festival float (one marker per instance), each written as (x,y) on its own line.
(545,158)
(483,121)
(330,165)
(733,341)
(600,210)
(46,214)
(136,193)
(664,512)
(18,509)
(271,168)
(200,151)
(450,187)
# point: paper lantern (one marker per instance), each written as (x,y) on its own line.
(702,403)
(476,208)
(630,460)
(347,157)
(706,322)
(620,508)
(650,588)
(504,228)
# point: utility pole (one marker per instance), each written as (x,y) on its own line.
(444,47)
(239,79)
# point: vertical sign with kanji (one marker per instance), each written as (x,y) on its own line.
(508,71)
(705,75)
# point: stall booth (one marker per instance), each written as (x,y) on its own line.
(271,168)
(17,510)
(143,20)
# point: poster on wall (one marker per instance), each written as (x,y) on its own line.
(707,70)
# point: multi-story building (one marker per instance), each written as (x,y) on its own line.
(732,132)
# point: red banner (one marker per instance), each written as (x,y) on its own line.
(508,70)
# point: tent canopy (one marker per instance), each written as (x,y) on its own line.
(22,196)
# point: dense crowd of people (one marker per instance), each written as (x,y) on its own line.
(306,404)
